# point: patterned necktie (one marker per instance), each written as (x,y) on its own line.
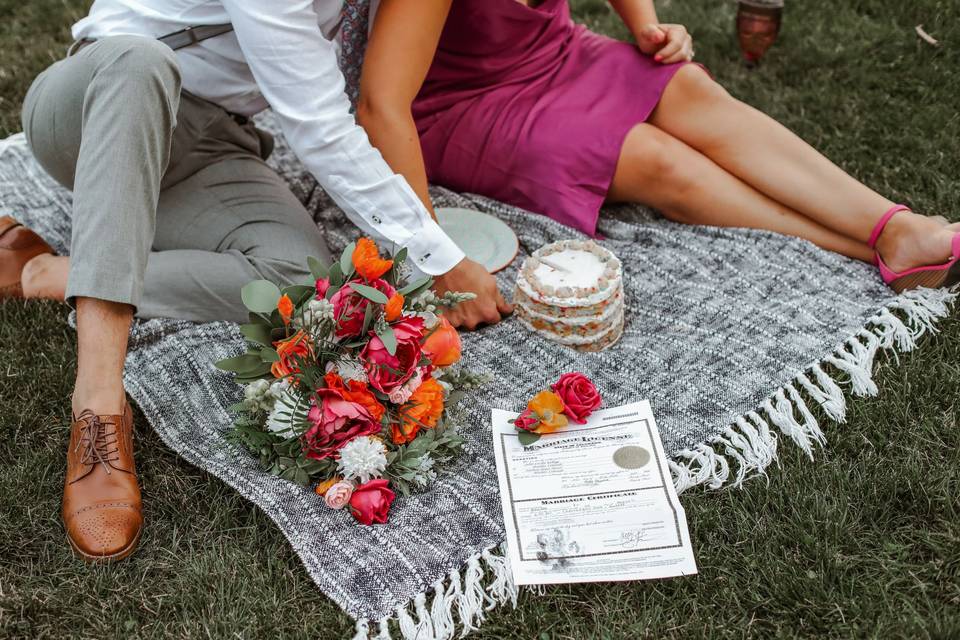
(355,20)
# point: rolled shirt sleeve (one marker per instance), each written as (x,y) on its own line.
(296,70)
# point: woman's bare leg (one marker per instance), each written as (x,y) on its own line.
(658,170)
(769,157)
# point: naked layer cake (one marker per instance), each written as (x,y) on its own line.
(571,292)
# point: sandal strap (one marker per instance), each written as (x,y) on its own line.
(884,219)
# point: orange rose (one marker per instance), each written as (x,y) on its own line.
(394,307)
(367,260)
(356,391)
(423,410)
(291,351)
(442,345)
(549,408)
(285,307)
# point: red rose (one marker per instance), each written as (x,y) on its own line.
(387,372)
(371,502)
(349,306)
(580,397)
(527,420)
(323,285)
(336,422)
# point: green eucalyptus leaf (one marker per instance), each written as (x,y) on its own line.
(416,286)
(389,339)
(336,279)
(258,333)
(260,296)
(301,477)
(269,355)
(346,259)
(317,270)
(259,318)
(399,257)
(299,293)
(374,295)
(240,364)
(527,438)
(367,319)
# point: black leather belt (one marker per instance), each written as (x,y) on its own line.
(175,40)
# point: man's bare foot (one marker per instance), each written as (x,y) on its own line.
(46,277)
(911,240)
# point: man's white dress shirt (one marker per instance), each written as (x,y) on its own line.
(283,54)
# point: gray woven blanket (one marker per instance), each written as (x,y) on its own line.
(733,335)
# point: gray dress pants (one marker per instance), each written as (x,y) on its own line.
(174,208)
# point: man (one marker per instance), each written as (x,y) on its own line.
(174,208)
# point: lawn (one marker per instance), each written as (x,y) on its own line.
(862,542)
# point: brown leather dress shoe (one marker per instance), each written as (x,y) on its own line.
(18,246)
(101,497)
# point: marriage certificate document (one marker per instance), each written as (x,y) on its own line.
(592,502)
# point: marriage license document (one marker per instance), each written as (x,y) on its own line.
(592,502)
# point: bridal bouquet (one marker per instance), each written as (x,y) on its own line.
(348,383)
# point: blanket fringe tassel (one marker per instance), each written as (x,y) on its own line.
(741,451)
(486,583)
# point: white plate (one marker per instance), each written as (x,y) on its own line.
(484,238)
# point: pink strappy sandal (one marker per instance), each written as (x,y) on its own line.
(933,277)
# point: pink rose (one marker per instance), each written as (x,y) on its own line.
(527,420)
(338,495)
(580,397)
(401,394)
(371,502)
(349,306)
(323,285)
(388,372)
(334,423)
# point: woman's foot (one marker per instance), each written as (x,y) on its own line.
(912,240)
(46,277)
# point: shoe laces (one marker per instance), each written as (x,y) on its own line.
(99,441)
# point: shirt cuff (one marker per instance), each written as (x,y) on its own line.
(432,251)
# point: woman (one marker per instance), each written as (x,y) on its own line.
(518,103)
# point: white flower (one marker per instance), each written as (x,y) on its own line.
(278,421)
(282,400)
(314,313)
(362,459)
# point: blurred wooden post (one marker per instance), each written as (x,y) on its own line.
(758,25)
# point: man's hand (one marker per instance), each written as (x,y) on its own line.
(488,307)
(667,43)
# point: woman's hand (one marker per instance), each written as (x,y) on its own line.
(488,307)
(667,43)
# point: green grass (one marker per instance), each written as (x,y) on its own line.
(864,542)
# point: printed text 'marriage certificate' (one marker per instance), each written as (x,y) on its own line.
(591,503)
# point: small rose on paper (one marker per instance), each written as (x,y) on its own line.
(571,398)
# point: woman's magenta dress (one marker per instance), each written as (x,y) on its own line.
(522,105)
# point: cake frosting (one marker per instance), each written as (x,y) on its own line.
(572,293)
